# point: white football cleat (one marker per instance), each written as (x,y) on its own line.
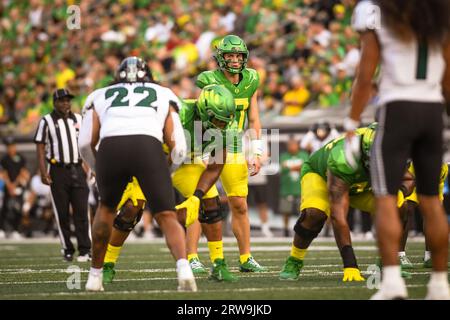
(84,258)
(16,236)
(265,230)
(95,283)
(148,235)
(391,292)
(438,291)
(186,279)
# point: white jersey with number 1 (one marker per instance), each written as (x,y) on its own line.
(409,70)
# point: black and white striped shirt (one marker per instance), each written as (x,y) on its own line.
(60,136)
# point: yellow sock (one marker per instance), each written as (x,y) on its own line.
(244,257)
(112,253)
(298,253)
(215,250)
(192,256)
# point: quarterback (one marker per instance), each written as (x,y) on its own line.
(232,56)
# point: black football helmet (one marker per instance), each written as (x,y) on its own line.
(133,69)
(321,129)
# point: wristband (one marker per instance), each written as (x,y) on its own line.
(350,124)
(257,147)
(199,194)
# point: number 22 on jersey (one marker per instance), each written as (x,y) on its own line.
(121,95)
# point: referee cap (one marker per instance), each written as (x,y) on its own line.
(9,141)
(61,93)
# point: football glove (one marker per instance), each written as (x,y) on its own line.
(352,274)
(192,206)
(352,150)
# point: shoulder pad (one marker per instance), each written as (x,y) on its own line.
(205,78)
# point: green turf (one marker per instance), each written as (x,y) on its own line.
(147,271)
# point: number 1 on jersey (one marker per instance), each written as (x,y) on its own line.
(422,61)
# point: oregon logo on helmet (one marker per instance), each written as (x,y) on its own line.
(216,106)
(231,44)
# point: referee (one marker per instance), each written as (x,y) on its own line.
(60,166)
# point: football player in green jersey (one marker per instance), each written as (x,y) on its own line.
(232,56)
(329,186)
(315,203)
(214,109)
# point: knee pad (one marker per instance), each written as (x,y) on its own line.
(126,225)
(306,233)
(211,216)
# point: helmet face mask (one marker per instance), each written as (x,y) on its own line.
(133,69)
(367,142)
(322,129)
(216,107)
(231,44)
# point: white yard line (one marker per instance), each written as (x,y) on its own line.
(254,240)
(311,269)
(283,248)
(127,260)
(221,290)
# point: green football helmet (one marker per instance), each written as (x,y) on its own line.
(215,104)
(367,140)
(231,44)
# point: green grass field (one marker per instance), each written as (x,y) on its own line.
(32,270)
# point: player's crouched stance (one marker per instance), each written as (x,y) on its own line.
(213,112)
(133,116)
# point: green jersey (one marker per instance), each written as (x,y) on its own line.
(332,157)
(198,140)
(290,179)
(242,92)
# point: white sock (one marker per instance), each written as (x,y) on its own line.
(427,256)
(96,271)
(439,277)
(182,263)
(402,254)
(391,274)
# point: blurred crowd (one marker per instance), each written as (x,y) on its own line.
(304,50)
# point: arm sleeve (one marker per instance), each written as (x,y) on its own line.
(85,135)
(180,151)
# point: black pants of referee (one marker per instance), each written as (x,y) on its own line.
(69,188)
